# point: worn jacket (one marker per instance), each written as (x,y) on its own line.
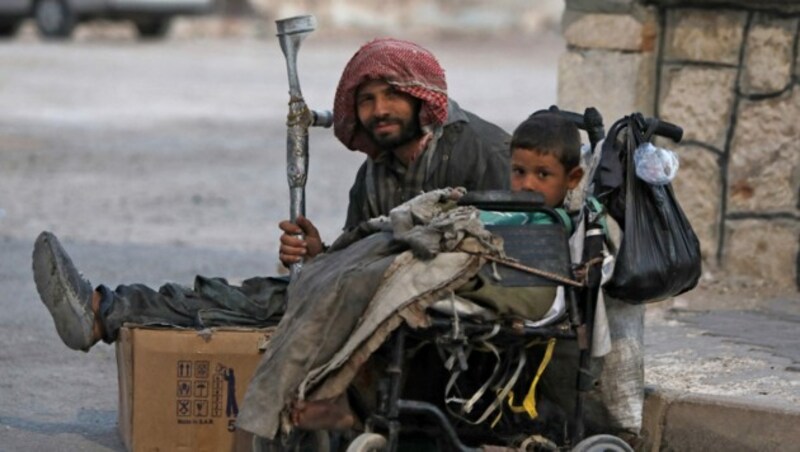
(470,153)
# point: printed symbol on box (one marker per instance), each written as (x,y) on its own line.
(184,369)
(184,408)
(201,388)
(231,407)
(216,394)
(226,373)
(201,369)
(201,408)
(184,388)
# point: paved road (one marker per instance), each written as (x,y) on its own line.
(156,162)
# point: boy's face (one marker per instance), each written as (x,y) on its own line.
(532,170)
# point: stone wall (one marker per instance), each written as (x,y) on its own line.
(730,76)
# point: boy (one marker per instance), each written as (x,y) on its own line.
(545,157)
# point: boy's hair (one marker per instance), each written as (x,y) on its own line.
(549,133)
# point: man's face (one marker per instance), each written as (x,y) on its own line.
(532,170)
(390,117)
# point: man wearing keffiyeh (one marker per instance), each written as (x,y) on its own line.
(392,105)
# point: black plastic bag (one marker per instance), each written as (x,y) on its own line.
(659,256)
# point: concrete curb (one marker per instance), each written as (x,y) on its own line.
(691,422)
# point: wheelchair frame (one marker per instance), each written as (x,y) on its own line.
(578,329)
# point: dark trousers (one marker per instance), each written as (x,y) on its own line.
(211,302)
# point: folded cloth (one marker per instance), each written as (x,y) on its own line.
(344,303)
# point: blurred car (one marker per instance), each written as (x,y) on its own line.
(58,18)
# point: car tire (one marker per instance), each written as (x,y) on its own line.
(54,18)
(154,28)
(8,28)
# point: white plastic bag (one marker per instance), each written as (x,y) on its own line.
(655,165)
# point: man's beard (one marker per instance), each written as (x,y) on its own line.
(409,131)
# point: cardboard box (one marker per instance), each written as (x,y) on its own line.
(180,389)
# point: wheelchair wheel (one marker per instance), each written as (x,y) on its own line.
(602,443)
(301,441)
(368,442)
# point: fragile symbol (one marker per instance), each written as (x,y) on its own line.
(184,369)
(184,388)
(184,408)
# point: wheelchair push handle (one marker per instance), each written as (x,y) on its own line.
(665,129)
(587,121)
(646,128)
(590,121)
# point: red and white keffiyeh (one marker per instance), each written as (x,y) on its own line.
(408,67)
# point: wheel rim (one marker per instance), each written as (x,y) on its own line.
(602,443)
(50,14)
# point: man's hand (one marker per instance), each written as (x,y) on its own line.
(293,247)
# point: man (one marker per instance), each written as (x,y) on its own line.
(391,104)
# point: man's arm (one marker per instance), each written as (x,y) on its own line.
(497,172)
(496,153)
(481,157)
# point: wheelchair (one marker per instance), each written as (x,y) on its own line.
(504,395)
(544,248)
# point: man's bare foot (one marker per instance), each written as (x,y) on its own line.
(328,414)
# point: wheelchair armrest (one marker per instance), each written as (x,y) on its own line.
(503,200)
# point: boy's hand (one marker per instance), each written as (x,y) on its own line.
(293,247)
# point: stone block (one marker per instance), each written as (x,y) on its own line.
(765,249)
(704,35)
(764,166)
(703,424)
(700,100)
(698,188)
(769,55)
(609,31)
(615,83)
(656,404)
